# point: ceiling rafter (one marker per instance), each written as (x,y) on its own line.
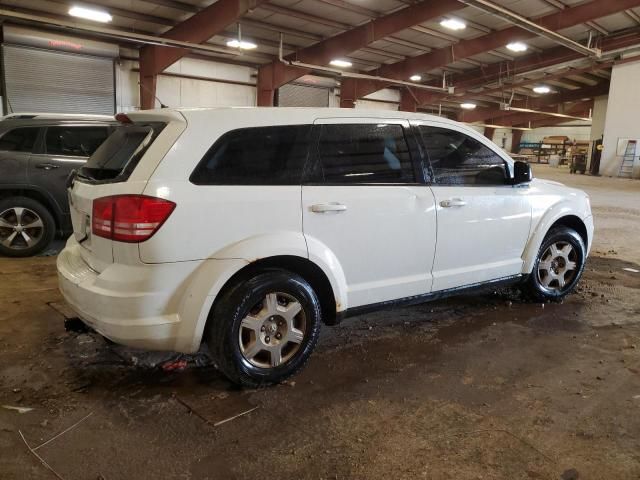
(276,74)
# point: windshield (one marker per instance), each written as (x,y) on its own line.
(116,158)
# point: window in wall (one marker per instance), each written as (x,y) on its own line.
(256,156)
(74,141)
(364,153)
(19,139)
(458,159)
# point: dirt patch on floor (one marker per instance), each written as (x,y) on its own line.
(483,386)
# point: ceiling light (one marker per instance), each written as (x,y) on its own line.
(340,63)
(90,14)
(453,24)
(541,89)
(517,47)
(468,106)
(415,78)
(241,44)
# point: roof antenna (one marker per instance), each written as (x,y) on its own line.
(162,105)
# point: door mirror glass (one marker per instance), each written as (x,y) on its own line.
(521,172)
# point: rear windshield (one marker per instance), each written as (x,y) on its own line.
(116,158)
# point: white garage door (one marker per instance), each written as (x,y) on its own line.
(45,81)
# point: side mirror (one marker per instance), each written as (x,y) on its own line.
(521,172)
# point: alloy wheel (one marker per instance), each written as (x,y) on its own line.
(20,228)
(558,266)
(273,331)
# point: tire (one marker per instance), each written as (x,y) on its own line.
(16,213)
(552,277)
(249,324)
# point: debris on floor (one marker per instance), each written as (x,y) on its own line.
(17,409)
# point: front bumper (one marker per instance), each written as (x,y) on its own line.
(138,306)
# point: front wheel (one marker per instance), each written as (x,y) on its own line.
(558,267)
(263,330)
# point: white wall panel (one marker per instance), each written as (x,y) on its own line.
(622,116)
(188,92)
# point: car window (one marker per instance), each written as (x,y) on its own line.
(19,139)
(120,153)
(74,141)
(458,159)
(363,153)
(256,156)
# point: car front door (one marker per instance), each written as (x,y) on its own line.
(64,148)
(16,146)
(364,202)
(483,220)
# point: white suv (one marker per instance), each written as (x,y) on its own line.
(247,228)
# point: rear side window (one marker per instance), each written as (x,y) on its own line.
(74,141)
(19,140)
(366,153)
(458,159)
(115,158)
(256,156)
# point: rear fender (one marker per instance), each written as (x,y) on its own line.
(224,264)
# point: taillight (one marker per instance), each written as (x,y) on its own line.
(129,218)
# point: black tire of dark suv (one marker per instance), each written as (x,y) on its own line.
(244,328)
(558,266)
(26,227)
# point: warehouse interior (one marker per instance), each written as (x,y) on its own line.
(480,386)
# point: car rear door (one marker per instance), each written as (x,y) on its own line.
(365,202)
(483,220)
(63,148)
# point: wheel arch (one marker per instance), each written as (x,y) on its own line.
(562,216)
(304,267)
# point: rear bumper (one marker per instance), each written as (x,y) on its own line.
(138,305)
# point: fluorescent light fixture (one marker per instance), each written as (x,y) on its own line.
(341,63)
(490,125)
(90,14)
(517,47)
(551,114)
(241,44)
(541,89)
(453,24)
(415,78)
(468,106)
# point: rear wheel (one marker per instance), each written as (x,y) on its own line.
(26,227)
(264,329)
(558,267)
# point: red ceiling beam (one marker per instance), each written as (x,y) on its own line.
(547,58)
(589,92)
(277,74)
(566,18)
(198,28)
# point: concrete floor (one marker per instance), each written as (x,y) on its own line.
(474,387)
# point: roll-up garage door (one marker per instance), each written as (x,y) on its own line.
(294,95)
(39,80)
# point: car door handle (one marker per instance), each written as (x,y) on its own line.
(47,166)
(328,207)
(453,202)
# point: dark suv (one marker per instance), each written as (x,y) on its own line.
(37,153)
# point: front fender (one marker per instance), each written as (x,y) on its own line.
(550,216)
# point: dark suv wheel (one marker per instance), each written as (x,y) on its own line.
(558,267)
(263,330)
(26,227)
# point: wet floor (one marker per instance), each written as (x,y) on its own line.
(481,386)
